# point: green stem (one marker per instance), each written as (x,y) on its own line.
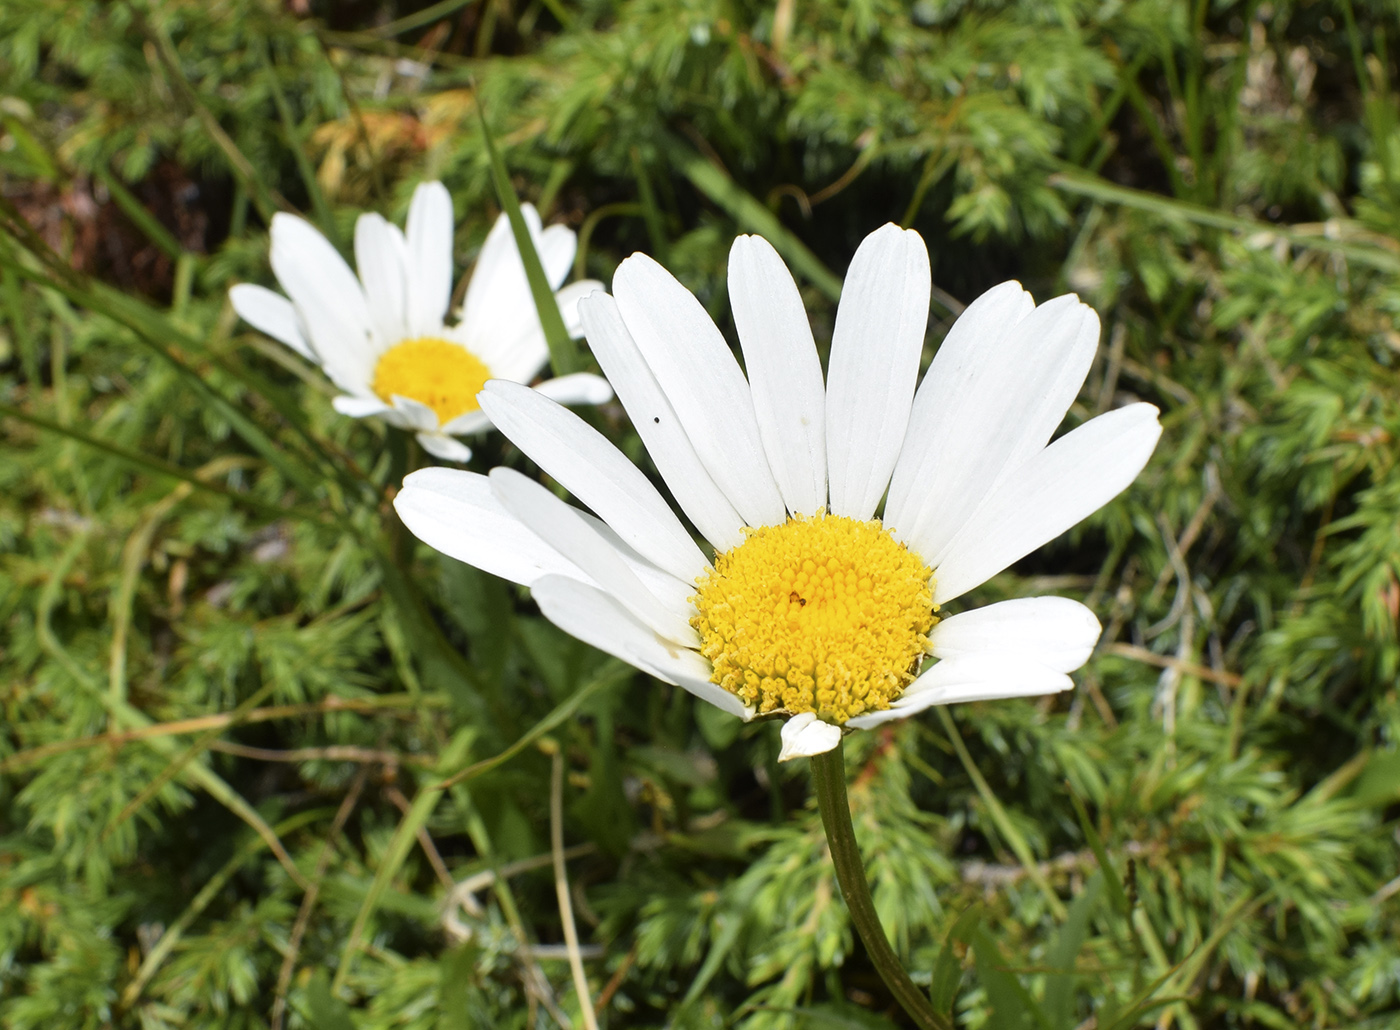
(829,779)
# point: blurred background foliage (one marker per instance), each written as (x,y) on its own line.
(232,696)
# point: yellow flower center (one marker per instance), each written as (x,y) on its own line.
(824,614)
(443,375)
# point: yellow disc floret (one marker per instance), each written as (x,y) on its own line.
(439,373)
(825,614)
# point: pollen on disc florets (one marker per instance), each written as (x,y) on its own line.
(439,373)
(826,614)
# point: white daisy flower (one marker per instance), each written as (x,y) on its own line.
(383,339)
(812,607)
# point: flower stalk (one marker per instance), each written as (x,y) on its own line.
(829,779)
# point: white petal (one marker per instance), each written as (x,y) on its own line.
(498,307)
(326,293)
(568,298)
(271,313)
(980,677)
(670,591)
(875,348)
(445,447)
(429,238)
(415,413)
(456,513)
(968,354)
(785,374)
(392,416)
(701,379)
(595,618)
(1046,495)
(1054,631)
(571,535)
(556,247)
(1013,396)
(381,257)
(597,473)
(655,421)
(358,407)
(805,735)
(983,677)
(520,359)
(467,423)
(577,388)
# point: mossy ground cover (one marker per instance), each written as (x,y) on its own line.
(265,760)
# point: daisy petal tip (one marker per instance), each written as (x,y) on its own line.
(238,293)
(433,190)
(891,235)
(746,244)
(576,388)
(282,221)
(805,735)
(444,448)
(358,407)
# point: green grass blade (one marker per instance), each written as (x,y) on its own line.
(1012,1005)
(399,846)
(1117,896)
(156,957)
(1058,1003)
(563,353)
(158,467)
(325,1010)
(1004,825)
(752,216)
(152,330)
(140,217)
(651,210)
(612,672)
(324,220)
(947,971)
(1381,255)
(265,196)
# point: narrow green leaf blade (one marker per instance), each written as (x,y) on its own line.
(327,1012)
(563,353)
(1059,984)
(753,216)
(947,971)
(1117,896)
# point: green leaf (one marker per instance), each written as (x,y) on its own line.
(457,990)
(325,1010)
(1059,983)
(1117,896)
(752,216)
(947,971)
(840,1016)
(1012,1005)
(1379,784)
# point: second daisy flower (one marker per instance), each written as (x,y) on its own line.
(383,337)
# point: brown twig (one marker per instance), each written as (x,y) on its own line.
(425,840)
(1162,661)
(605,996)
(201,723)
(561,888)
(331,753)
